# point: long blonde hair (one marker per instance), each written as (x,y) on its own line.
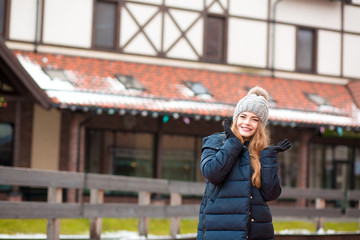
(258,142)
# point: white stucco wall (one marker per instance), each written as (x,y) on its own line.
(351,55)
(329,53)
(45,139)
(140,45)
(285,47)
(68,22)
(22,20)
(158,2)
(352,18)
(249,8)
(195,35)
(316,13)
(247,42)
(187,4)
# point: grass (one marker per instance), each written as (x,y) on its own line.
(156,226)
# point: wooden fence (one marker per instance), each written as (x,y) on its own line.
(54,209)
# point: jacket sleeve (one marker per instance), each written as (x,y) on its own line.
(270,181)
(218,157)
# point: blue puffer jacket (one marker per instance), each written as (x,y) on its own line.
(231,207)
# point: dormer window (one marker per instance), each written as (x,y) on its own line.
(197,88)
(323,105)
(57,74)
(130,82)
(318,100)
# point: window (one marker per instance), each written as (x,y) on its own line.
(306,50)
(130,82)
(133,154)
(317,99)
(179,158)
(119,153)
(197,88)
(105,24)
(56,74)
(6,144)
(214,42)
(3,19)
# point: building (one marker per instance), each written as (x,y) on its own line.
(132,87)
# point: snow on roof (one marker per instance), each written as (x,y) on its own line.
(93,85)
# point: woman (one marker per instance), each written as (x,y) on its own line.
(241,175)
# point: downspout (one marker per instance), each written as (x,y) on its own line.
(273,37)
(36,43)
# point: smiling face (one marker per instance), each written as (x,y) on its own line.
(247,124)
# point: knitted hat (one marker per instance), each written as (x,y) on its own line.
(256,102)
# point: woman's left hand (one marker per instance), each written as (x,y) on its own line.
(282,146)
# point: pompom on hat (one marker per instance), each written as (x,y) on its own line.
(256,102)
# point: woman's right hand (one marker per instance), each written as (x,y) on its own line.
(227,130)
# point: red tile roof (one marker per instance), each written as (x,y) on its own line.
(95,85)
(354,88)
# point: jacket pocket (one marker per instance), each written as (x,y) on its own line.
(216,192)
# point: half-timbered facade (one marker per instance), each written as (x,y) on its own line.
(131,87)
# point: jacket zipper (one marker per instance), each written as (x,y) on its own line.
(206,201)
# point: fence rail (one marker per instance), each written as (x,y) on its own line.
(96,209)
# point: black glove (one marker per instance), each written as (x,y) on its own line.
(282,146)
(227,130)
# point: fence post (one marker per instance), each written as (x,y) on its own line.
(54,195)
(175,200)
(96,197)
(320,204)
(144,199)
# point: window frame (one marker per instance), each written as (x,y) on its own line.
(6,20)
(313,69)
(12,145)
(223,57)
(116,29)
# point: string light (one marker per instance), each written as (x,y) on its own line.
(339,131)
(99,111)
(111,111)
(186,120)
(176,115)
(122,112)
(165,118)
(155,114)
